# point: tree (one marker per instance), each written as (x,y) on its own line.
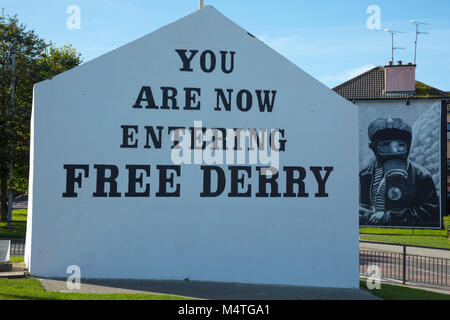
(36,61)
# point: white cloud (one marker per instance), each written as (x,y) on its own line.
(277,43)
(346,75)
(95,48)
(299,50)
(293,46)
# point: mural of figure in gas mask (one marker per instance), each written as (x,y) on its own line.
(395,191)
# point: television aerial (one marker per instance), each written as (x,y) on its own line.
(392,32)
(418,24)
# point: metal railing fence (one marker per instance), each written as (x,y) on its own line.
(404,267)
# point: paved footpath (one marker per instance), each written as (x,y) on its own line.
(210,290)
(436,253)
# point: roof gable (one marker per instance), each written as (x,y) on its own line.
(370,86)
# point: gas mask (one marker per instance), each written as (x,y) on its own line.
(393,156)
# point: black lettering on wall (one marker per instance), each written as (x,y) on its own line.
(71,179)
(282,142)
(145,95)
(237,139)
(128,140)
(236,180)
(226,103)
(134,179)
(169,94)
(207,192)
(176,141)
(197,134)
(102,179)
(212,61)
(186,60)
(248,100)
(219,141)
(291,180)
(165,181)
(268,102)
(321,181)
(224,61)
(192,97)
(208,60)
(264,180)
(150,133)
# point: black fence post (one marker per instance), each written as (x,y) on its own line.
(404,264)
(446,272)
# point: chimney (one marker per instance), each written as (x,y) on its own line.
(400,78)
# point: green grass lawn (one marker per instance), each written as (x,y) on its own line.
(18,229)
(416,237)
(31,289)
(16,259)
(20,215)
(417,232)
(393,292)
(426,241)
(406,232)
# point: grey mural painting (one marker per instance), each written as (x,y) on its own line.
(400,169)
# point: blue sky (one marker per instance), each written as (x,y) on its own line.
(327,39)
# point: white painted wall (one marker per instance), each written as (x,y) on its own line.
(77,118)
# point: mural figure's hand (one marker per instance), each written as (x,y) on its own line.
(365,212)
(377,218)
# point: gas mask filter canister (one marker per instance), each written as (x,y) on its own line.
(393,155)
